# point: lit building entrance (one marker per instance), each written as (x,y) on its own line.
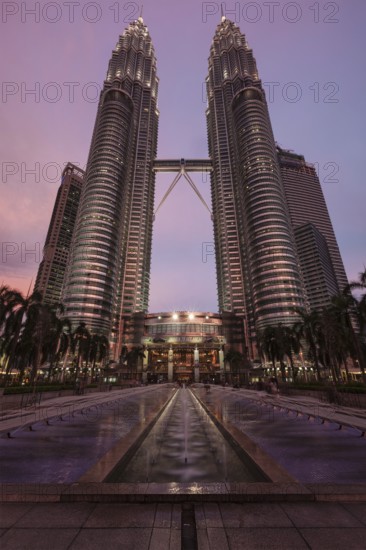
(180,346)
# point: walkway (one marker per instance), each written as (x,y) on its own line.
(283,526)
(204,516)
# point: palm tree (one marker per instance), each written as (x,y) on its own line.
(334,341)
(40,336)
(268,345)
(99,346)
(24,350)
(357,319)
(57,341)
(274,344)
(309,328)
(292,345)
(360,284)
(36,329)
(21,309)
(7,302)
(80,344)
(27,347)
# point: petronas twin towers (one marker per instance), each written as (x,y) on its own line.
(257,272)
(109,268)
(108,275)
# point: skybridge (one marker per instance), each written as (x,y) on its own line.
(182,167)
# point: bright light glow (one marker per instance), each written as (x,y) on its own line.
(175,316)
(207,317)
(191,316)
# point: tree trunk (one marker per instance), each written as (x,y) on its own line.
(346,369)
(8,370)
(274,366)
(34,371)
(283,371)
(316,363)
(292,367)
(93,369)
(12,353)
(333,368)
(50,369)
(64,364)
(359,352)
(77,366)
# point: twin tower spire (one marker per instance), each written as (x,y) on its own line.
(109,270)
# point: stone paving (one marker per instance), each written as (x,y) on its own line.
(224,526)
(347,416)
(225,516)
(18,418)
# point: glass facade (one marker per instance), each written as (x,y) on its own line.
(51,273)
(306,203)
(257,271)
(109,271)
(95,260)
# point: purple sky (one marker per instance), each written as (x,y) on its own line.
(324,59)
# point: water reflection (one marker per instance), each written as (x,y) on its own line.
(184,446)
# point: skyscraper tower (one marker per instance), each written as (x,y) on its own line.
(306,203)
(109,268)
(257,271)
(52,269)
(316,266)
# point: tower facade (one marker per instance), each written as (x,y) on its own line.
(257,270)
(51,273)
(316,266)
(109,267)
(306,204)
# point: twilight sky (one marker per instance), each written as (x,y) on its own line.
(310,56)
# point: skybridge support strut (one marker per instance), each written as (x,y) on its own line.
(183,167)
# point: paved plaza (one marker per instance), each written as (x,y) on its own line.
(77,526)
(314,442)
(320,511)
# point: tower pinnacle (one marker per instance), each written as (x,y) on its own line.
(223,17)
(140,19)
